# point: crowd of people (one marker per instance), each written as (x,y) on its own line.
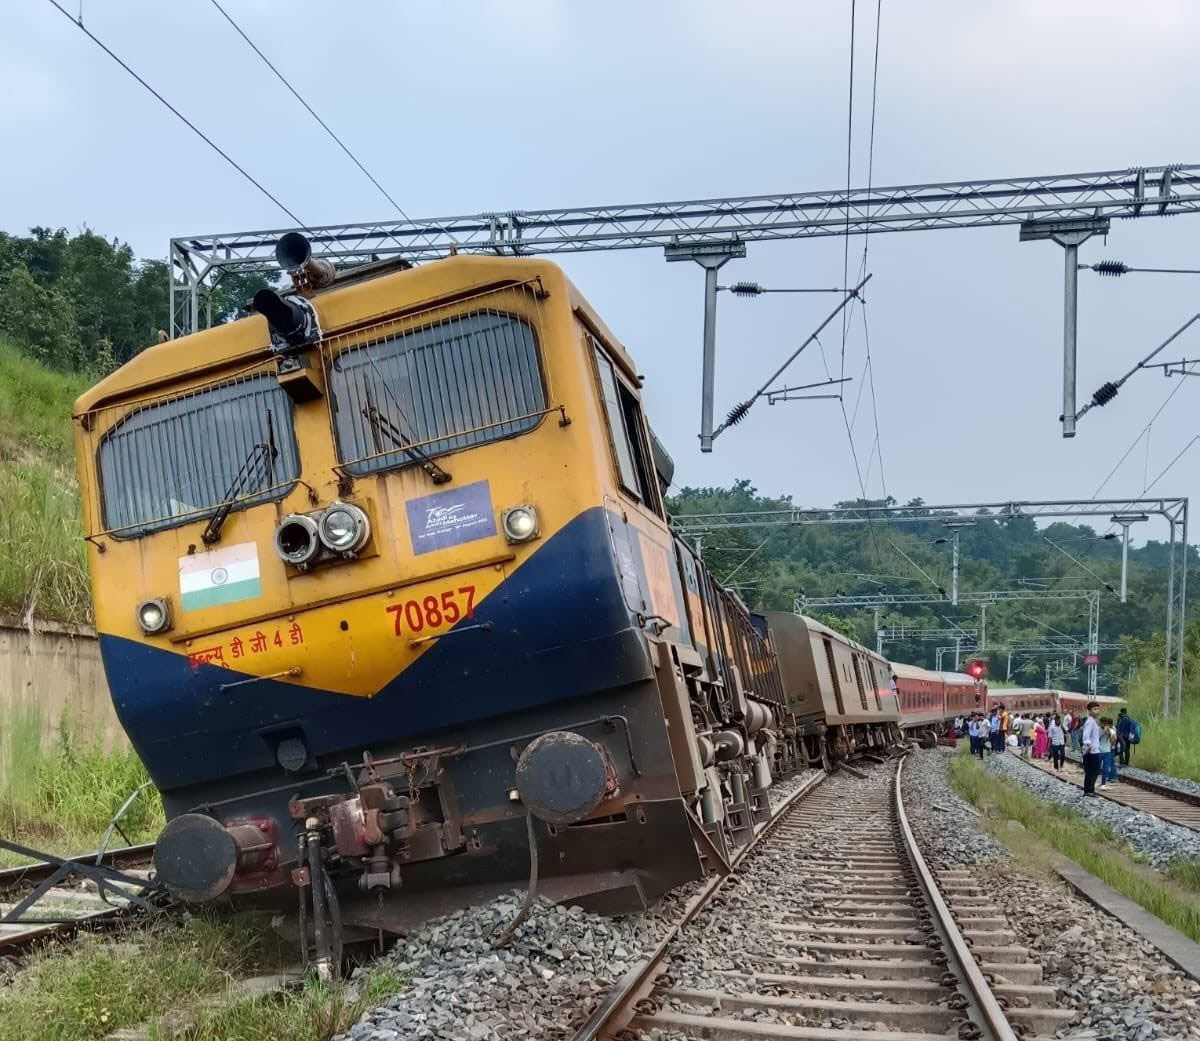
(1101,741)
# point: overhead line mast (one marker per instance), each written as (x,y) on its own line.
(712,231)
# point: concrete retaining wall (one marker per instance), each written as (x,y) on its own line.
(54,674)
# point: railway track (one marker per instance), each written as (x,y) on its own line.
(861,942)
(72,903)
(1166,803)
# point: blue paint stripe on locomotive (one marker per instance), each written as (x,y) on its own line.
(560,628)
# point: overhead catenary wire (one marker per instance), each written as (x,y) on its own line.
(746,560)
(1134,443)
(174,111)
(869,365)
(849,153)
(324,126)
(1079,563)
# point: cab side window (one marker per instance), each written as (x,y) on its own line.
(626,433)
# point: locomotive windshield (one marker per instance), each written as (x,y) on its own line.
(170,462)
(465,381)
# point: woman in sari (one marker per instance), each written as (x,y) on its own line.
(1041,740)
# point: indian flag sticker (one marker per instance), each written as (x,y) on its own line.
(223,576)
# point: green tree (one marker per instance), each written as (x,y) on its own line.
(41,318)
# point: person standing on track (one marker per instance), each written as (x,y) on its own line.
(1058,742)
(973,732)
(1040,740)
(1091,749)
(1108,752)
(1026,740)
(1125,725)
(984,732)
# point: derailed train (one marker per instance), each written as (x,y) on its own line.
(387,595)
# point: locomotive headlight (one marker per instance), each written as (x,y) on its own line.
(297,540)
(520,523)
(154,616)
(344,528)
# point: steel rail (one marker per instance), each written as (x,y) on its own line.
(987,1013)
(96,921)
(630,986)
(1163,791)
(1167,791)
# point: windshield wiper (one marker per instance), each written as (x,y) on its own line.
(382,426)
(260,459)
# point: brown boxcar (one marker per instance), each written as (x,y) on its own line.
(834,685)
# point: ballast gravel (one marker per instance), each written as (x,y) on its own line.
(1122,987)
(561,960)
(560,963)
(1158,841)
(941,819)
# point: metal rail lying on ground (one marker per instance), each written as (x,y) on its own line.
(133,894)
(38,870)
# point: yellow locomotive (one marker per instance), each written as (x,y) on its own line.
(386,593)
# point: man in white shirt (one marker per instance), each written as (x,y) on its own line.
(1058,742)
(1091,748)
(984,732)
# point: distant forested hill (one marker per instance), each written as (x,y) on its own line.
(771,566)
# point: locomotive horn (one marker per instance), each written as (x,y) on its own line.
(293,253)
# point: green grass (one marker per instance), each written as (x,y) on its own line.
(35,408)
(1081,840)
(101,984)
(61,799)
(1168,746)
(1186,873)
(43,567)
(316,1012)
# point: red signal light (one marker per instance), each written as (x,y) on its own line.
(976,669)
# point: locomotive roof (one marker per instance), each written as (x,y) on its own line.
(246,340)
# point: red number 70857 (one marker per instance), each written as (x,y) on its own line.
(432,612)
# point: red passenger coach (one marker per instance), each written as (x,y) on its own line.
(928,699)
(1040,700)
(963,694)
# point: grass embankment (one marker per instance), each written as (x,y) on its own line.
(62,798)
(1175,898)
(103,984)
(1169,746)
(43,568)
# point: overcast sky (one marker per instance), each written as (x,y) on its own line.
(461,108)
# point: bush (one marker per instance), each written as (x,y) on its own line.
(62,798)
(1170,746)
